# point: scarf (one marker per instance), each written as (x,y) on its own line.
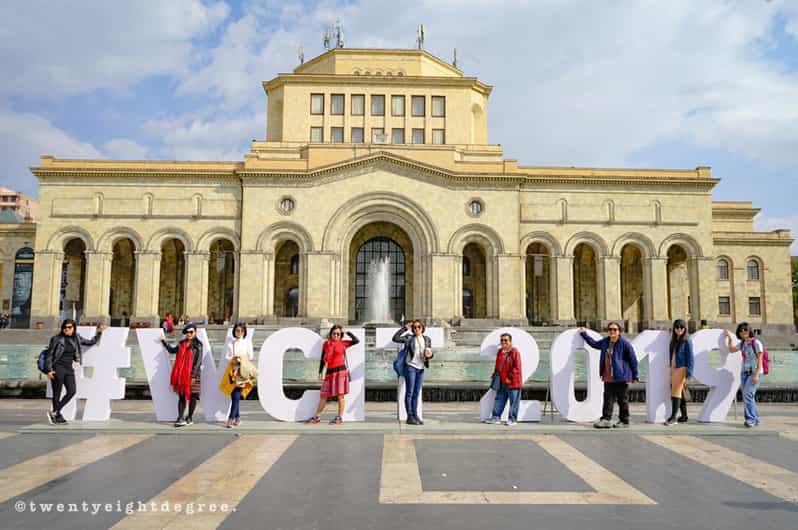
(181,371)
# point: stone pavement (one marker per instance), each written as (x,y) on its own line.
(450,473)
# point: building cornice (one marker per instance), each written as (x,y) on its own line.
(349,80)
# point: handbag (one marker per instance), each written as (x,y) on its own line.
(496,378)
(399,365)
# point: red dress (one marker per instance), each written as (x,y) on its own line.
(336,381)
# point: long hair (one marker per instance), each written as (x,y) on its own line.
(743,326)
(243,328)
(676,340)
(339,327)
(65,323)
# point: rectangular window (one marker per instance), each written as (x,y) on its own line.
(397,105)
(378,135)
(317,103)
(337,104)
(438,136)
(397,136)
(418,136)
(418,105)
(754,307)
(337,135)
(438,106)
(315,134)
(378,105)
(357,135)
(724,305)
(358,104)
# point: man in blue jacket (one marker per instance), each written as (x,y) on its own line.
(618,368)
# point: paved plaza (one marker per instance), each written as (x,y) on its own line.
(452,472)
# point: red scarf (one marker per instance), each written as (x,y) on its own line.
(181,371)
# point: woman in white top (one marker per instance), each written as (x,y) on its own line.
(753,352)
(237,348)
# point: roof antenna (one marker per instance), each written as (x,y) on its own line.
(339,34)
(454,61)
(325,39)
(420,36)
(301,53)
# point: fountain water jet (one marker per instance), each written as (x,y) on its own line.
(378,298)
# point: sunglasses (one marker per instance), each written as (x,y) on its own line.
(190,332)
(69,327)
(505,340)
(417,327)
(335,334)
(613,329)
(678,327)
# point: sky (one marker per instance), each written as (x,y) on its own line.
(646,84)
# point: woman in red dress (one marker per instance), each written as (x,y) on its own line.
(336,379)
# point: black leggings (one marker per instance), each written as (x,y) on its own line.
(64,377)
(181,405)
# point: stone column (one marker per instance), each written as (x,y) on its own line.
(97,286)
(46,291)
(147,289)
(704,289)
(511,299)
(564,270)
(251,288)
(197,285)
(316,282)
(656,274)
(611,280)
(739,295)
(444,290)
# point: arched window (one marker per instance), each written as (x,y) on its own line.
(723,269)
(468,303)
(466,266)
(367,274)
(22,288)
(295,264)
(753,269)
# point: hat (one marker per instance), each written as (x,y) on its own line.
(189,326)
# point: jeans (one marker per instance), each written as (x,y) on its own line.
(235,407)
(413,379)
(616,392)
(749,398)
(514,394)
(64,377)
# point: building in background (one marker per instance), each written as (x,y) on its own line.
(19,203)
(375,155)
(17,238)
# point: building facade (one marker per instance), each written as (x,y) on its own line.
(19,203)
(382,156)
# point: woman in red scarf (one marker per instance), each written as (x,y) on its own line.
(336,380)
(185,380)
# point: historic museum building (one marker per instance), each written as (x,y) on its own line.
(375,154)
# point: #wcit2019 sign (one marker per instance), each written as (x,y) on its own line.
(110,354)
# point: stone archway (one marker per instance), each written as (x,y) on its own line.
(586,283)
(475,279)
(538,296)
(680,292)
(171,289)
(73,279)
(221,281)
(632,286)
(287,274)
(123,281)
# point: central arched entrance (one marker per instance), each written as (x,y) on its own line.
(380,269)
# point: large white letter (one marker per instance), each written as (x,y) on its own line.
(215,404)
(724,380)
(159,370)
(270,375)
(655,344)
(528,410)
(561,361)
(104,384)
(384,338)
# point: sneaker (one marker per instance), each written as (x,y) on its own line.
(51,417)
(602,424)
(419,421)
(60,420)
(682,419)
(748,424)
(180,423)
(493,420)
(189,421)
(338,420)
(314,419)
(670,421)
(412,421)
(620,424)
(510,423)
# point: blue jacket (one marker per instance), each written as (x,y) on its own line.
(684,357)
(624,360)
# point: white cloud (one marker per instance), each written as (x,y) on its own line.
(790,222)
(125,149)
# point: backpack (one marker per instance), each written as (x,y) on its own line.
(765,358)
(41,361)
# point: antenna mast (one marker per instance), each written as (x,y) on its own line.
(301,53)
(420,36)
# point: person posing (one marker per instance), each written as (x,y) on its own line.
(185,379)
(64,349)
(753,352)
(239,353)
(418,352)
(681,370)
(617,368)
(168,324)
(336,378)
(508,371)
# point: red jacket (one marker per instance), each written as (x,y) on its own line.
(511,369)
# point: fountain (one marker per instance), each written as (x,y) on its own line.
(378,297)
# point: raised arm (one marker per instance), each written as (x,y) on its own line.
(92,341)
(397,337)
(352,339)
(170,349)
(732,348)
(595,344)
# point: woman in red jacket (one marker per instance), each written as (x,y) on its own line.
(508,371)
(336,379)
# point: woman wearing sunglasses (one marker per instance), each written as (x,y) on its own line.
(753,366)
(185,379)
(64,349)
(681,370)
(618,368)
(417,353)
(336,379)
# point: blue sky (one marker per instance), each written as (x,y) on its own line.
(616,84)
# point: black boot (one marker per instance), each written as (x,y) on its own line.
(683,410)
(674,409)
